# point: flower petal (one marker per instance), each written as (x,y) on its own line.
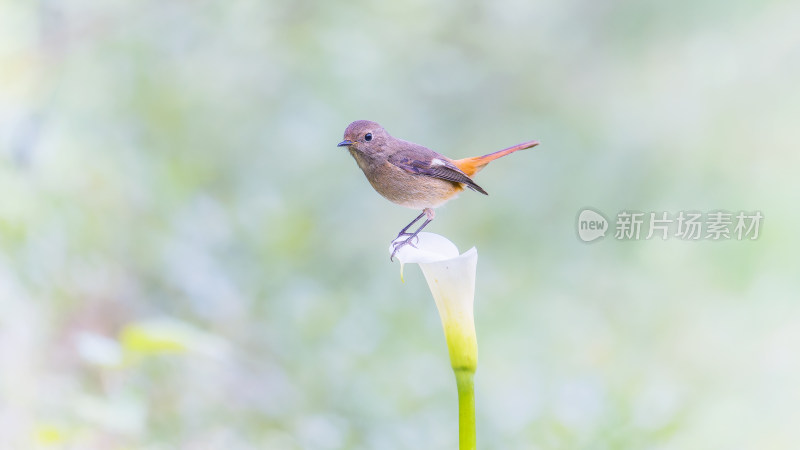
(451,279)
(430,247)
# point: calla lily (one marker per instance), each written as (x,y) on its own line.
(451,279)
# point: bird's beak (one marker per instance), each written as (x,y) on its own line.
(345,143)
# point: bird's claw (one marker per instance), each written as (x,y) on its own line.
(399,245)
(403,233)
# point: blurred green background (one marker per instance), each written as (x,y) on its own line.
(188,261)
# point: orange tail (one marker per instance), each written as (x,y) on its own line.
(471,166)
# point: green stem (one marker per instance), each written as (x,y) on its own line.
(466,409)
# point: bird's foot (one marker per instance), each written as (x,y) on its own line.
(403,234)
(399,244)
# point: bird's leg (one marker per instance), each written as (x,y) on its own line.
(397,245)
(403,231)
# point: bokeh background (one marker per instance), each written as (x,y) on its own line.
(188,261)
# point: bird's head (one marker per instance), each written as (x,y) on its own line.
(364,136)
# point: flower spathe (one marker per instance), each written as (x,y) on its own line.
(451,279)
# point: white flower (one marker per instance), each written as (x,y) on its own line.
(451,279)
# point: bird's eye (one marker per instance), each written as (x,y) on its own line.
(368,137)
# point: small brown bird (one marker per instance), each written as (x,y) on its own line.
(412,175)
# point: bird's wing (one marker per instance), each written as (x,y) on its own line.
(432,165)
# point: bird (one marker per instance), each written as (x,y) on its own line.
(412,175)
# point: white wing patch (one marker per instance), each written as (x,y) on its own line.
(437,162)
